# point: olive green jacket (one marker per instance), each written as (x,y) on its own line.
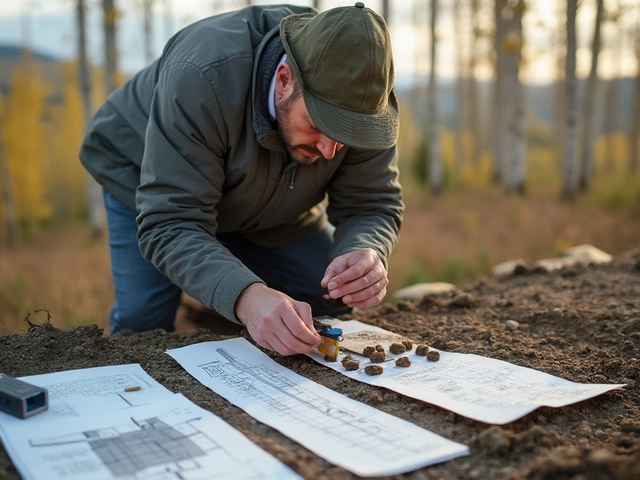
(185,144)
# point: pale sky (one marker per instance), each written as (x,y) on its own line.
(51,29)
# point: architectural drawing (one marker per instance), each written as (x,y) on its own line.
(171,439)
(481,388)
(343,431)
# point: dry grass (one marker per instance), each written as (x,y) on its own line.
(456,237)
(62,270)
(460,236)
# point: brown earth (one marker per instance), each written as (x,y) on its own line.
(581,324)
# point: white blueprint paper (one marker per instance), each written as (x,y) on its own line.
(80,394)
(353,435)
(172,439)
(480,388)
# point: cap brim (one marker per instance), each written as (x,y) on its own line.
(353,129)
(365,131)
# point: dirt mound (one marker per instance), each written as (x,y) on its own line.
(581,324)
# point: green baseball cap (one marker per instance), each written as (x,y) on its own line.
(342,60)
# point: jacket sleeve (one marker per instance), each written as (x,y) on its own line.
(181,183)
(365,203)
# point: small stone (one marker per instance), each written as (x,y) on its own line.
(397,348)
(464,300)
(377,357)
(379,348)
(408,344)
(351,365)
(368,351)
(511,325)
(403,362)
(377,398)
(433,356)
(599,457)
(346,358)
(422,350)
(330,358)
(494,440)
(612,305)
(373,369)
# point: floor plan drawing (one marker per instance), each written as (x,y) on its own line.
(345,432)
(172,439)
(481,388)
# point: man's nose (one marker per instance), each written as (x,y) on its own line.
(327,147)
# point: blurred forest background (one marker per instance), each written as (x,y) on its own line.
(519,138)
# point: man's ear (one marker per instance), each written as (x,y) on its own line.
(285,81)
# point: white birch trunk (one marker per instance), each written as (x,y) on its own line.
(499,105)
(435,156)
(93,189)
(569,178)
(168,18)
(611,105)
(460,90)
(517,141)
(588,133)
(635,118)
(110,50)
(147,7)
(473,97)
(386,10)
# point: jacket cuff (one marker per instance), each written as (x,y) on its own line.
(229,289)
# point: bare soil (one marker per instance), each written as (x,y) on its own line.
(581,324)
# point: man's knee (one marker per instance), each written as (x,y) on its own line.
(140,315)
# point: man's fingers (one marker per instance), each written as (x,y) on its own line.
(368,302)
(301,329)
(377,290)
(374,280)
(278,346)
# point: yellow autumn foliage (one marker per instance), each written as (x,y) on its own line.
(65,173)
(25,140)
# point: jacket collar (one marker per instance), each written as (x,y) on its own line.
(267,57)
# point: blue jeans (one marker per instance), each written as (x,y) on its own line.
(146,299)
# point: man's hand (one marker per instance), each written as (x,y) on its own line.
(276,321)
(359,277)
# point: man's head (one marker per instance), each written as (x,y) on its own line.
(303,140)
(341,60)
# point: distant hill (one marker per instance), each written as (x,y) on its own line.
(541,101)
(13,53)
(10,56)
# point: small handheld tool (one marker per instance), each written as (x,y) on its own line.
(331,336)
(21,399)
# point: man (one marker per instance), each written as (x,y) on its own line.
(219,155)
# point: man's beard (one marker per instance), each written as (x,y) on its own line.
(283,112)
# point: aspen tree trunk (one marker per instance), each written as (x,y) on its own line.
(611,104)
(588,133)
(499,105)
(386,12)
(517,140)
(569,179)
(94,191)
(111,51)
(635,118)
(8,198)
(435,156)
(460,90)
(147,6)
(168,19)
(473,98)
